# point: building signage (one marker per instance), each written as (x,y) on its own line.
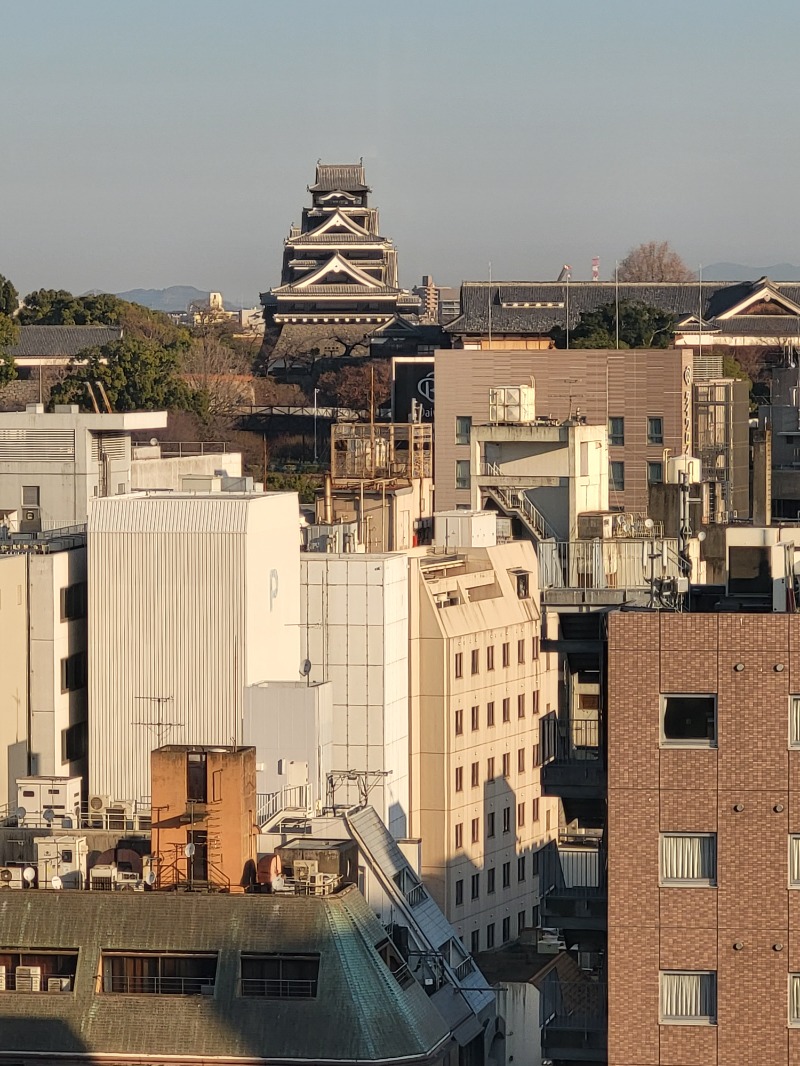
(687,411)
(412,389)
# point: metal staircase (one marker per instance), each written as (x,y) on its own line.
(516,504)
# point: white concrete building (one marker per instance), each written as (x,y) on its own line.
(13,674)
(191,599)
(355,633)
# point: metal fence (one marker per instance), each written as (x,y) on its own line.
(606,564)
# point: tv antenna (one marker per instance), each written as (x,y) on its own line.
(160,727)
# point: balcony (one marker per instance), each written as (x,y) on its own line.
(573,762)
(573,888)
(574,1020)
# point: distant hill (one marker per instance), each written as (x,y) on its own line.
(739,272)
(175,298)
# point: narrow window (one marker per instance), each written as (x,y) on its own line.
(535,811)
(794,721)
(459,721)
(490,824)
(521,705)
(490,936)
(463,427)
(507,709)
(462,473)
(506,763)
(490,768)
(459,664)
(476,886)
(490,657)
(506,930)
(459,779)
(476,775)
(520,760)
(490,713)
(520,651)
(474,662)
(616,476)
(506,875)
(459,892)
(506,654)
(476,830)
(521,868)
(521,813)
(459,835)
(655,430)
(490,880)
(616,431)
(506,819)
(474,718)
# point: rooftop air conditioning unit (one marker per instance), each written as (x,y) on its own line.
(304,870)
(11,877)
(2,978)
(28,978)
(97,804)
(59,984)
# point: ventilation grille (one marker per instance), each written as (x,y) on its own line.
(37,445)
(110,444)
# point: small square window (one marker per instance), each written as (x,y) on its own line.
(655,430)
(30,495)
(688,997)
(688,858)
(689,720)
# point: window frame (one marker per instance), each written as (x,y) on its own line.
(794,742)
(688,742)
(463,474)
(463,429)
(689,1019)
(616,475)
(616,439)
(655,477)
(655,438)
(686,882)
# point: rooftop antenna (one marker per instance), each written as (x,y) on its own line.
(160,727)
(700,310)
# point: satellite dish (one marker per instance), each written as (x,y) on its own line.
(66,822)
(154,441)
(29,874)
(305,667)
(48,815)
(150,879)
(56,882)
(21,814)
(189,850)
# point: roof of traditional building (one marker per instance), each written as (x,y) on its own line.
(536,307)
(61,340)
(349,177)
(360,1012)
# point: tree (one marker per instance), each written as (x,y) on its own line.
(137,374)
(356,386)
(9,334)
(9,297)
(219,378)
(640,326)
(654,261)
(57,307)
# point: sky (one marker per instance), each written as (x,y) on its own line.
(170,142)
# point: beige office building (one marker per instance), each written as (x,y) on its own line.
(643,396)
(479,683)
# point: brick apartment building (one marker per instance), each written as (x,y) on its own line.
(703,749)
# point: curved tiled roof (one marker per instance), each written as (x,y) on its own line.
(64,341)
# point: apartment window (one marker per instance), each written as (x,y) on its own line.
(476,830)
(506,763)
(794,861)
(535,700)
(490,935)
(535,756)
(689,720)
(459,721)
(160,975)
(616,476)
(74,742)
(547,824)
(73,672)
(506,875)
(521,868)
(474,663)
(476,885)
(521,705)
(688,858)
(521,761)
(534,811)
(43,967)
(474,713)
(520,922)
(507,709)
(30,495)
(459,664)
(655,430)
(490,768)
(506,654)
(534,648)
(794,999)
(459,892)
(490,657)
(520,651)
(506,930)
(490,880)
(196,777)
(292,976)
(475,941)
(490,824)
(490,713)
(523,584)
(521,813)
(506,819)
(459,835)
(459,779)
(655,473)
(462,473)
(463,427)
(73,602)
(794,721)
(689,997)
(475,775)
(616,431)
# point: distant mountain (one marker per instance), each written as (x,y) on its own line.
(175,298)
(739,272)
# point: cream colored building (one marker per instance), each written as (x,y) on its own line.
(13,674)
(479,684)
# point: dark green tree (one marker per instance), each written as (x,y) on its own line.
(9,297)
(9,334)
(640,326)
(137,374)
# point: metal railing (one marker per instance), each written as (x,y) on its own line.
(268,804)
(516,501)
(416,895)
(180,449)
(159,986)
(606,564)
(464,969)
(572,872)
(578,1005)
(270,988)
(569,741)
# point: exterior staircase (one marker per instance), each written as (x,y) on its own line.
(516,504)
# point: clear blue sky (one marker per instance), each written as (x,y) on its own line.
(162,142)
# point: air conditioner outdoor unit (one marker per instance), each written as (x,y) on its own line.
(59,984)
(11,877)
(2,978)
(304,870)
(97,804)
(28,978)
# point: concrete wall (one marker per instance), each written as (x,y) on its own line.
(355,632)
(153,472)
(13,674)
(191,598)
(629,383)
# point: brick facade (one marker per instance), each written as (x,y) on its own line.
(655,789)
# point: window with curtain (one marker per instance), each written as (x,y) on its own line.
(794,721)
(688,997)
(794,861)
(689,857)
(794,999)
